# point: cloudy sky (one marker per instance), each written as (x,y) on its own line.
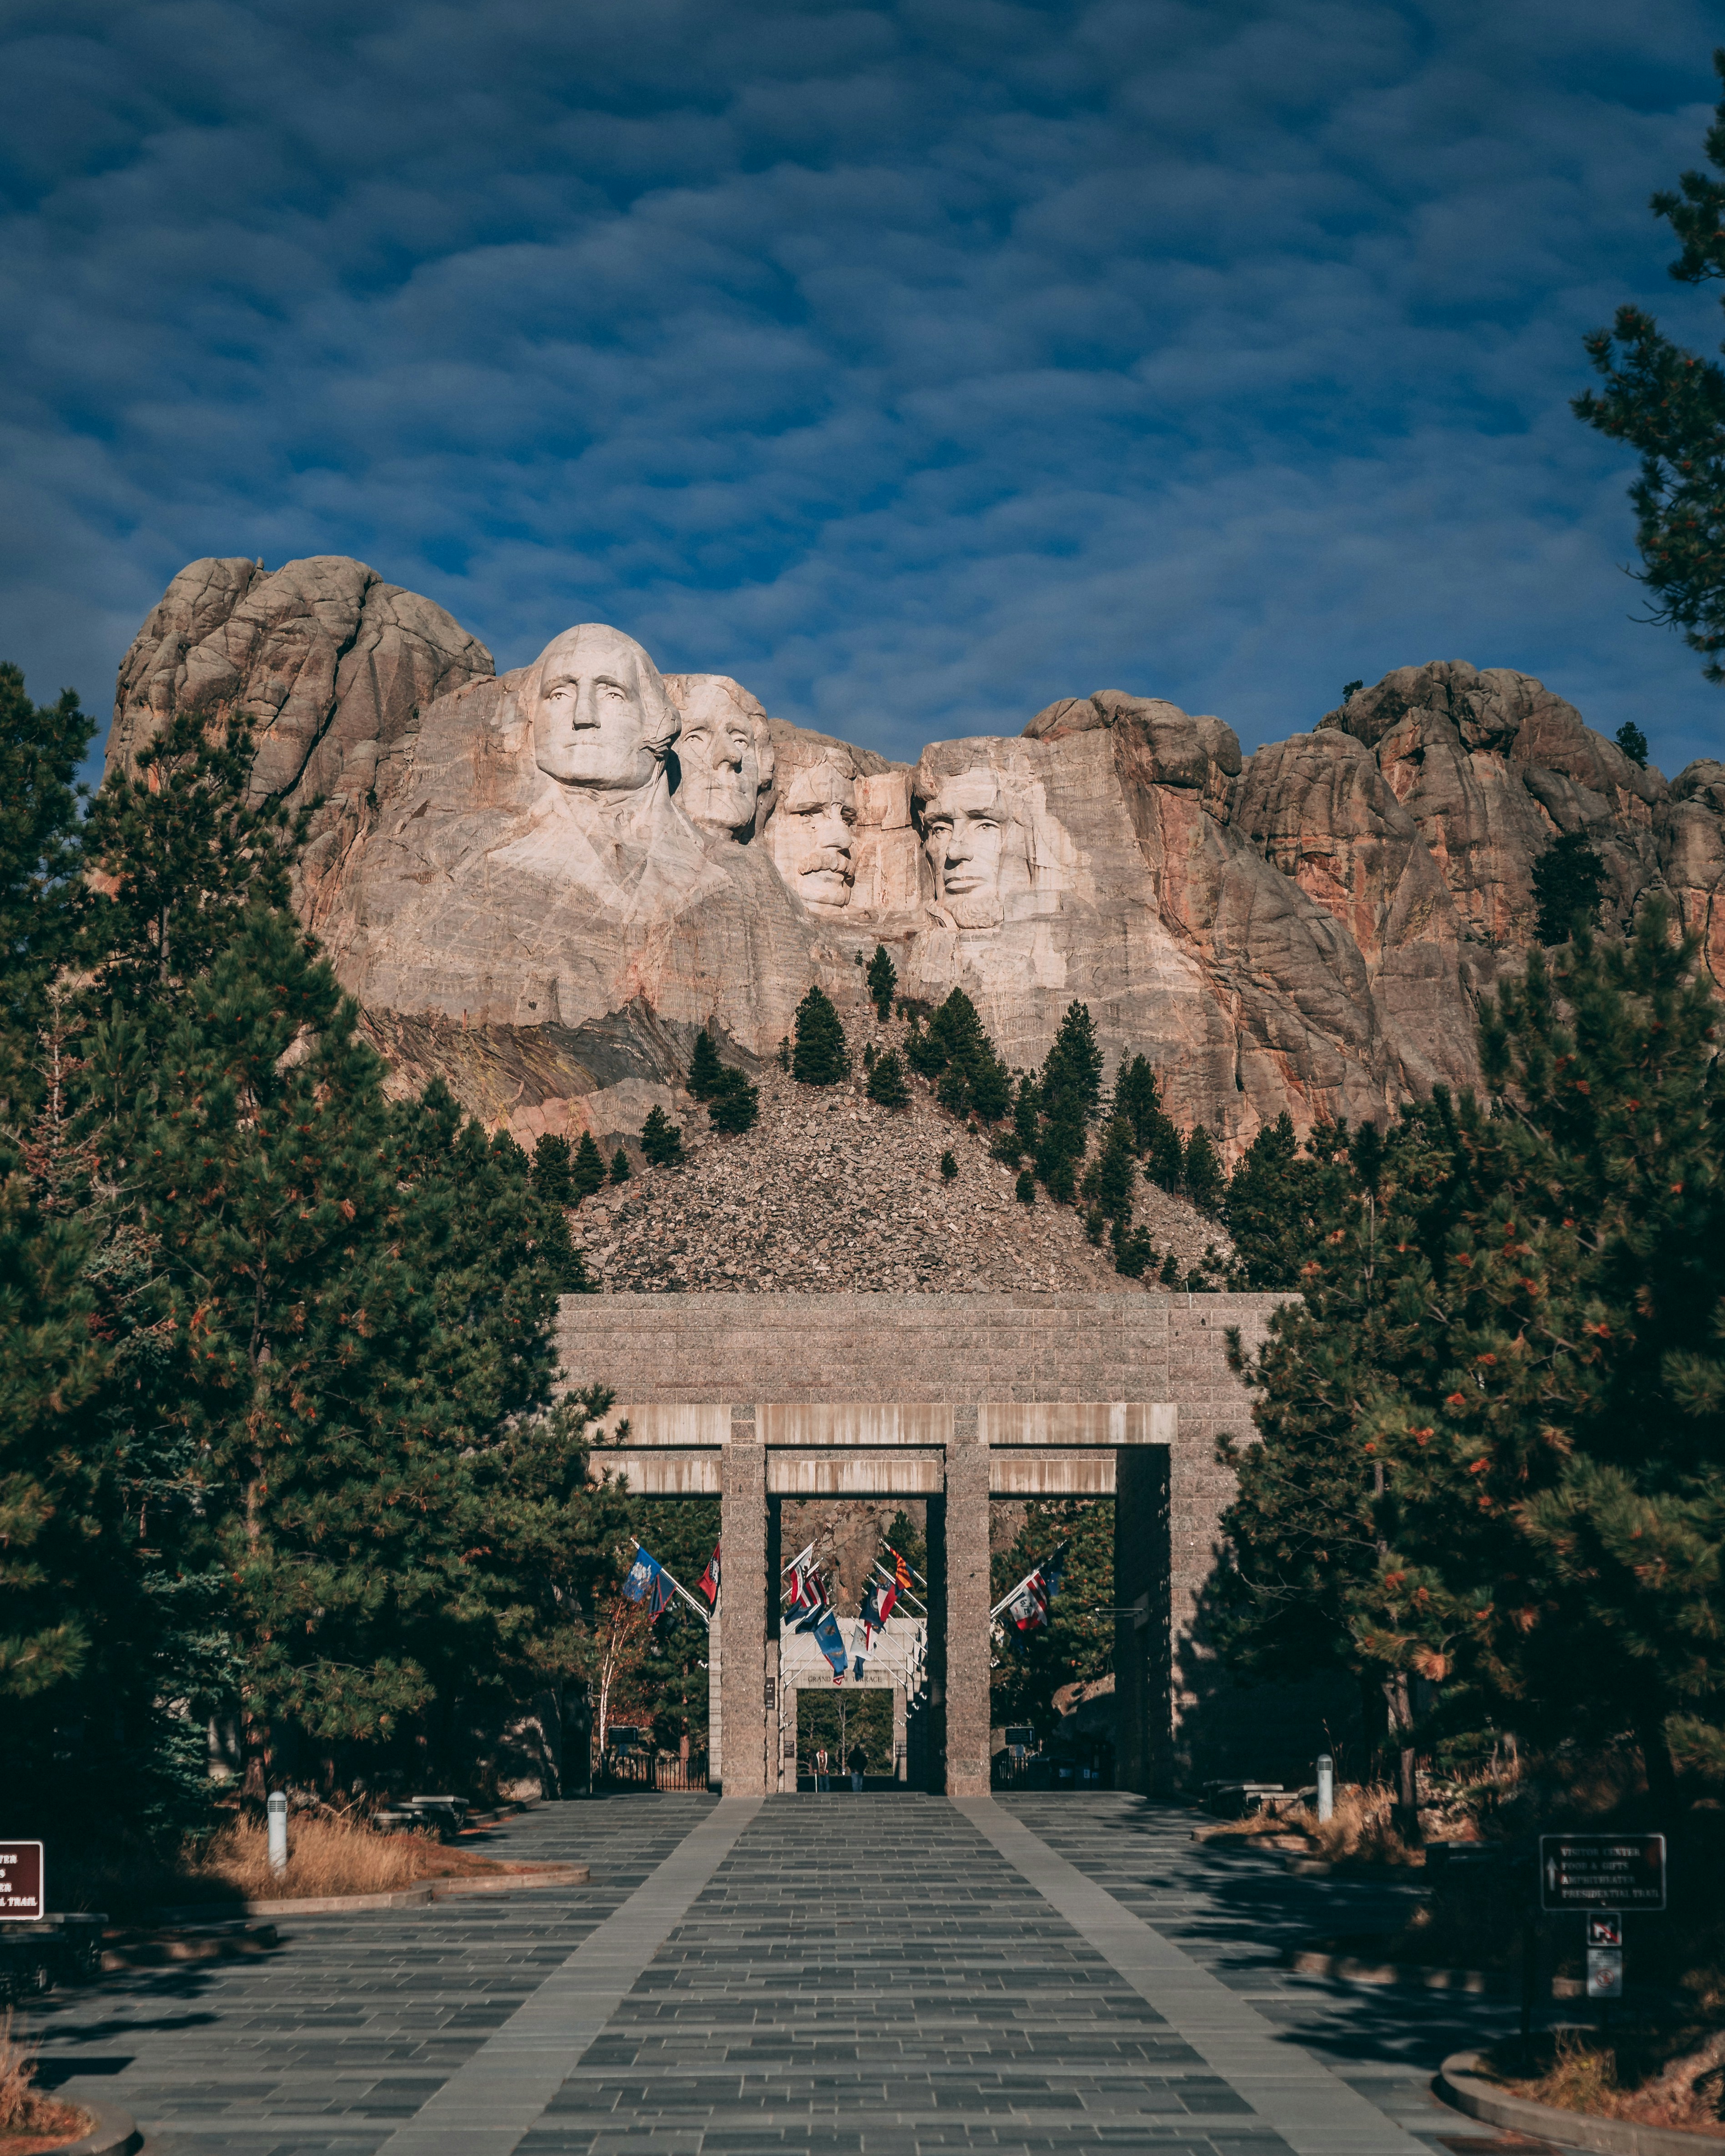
(916,363)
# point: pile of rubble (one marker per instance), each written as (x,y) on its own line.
(831,1191)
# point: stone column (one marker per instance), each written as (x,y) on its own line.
(715,1695)
(967,1609)
(1141,1587)
(742,1618)
(900,1758)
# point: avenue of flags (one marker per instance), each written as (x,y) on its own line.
(648,1581)
(806,1592)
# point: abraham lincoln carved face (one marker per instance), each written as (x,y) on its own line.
(976,846)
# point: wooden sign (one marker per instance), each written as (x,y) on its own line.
(1602,1871)
(21,1895)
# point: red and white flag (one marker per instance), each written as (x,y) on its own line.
(709,1581)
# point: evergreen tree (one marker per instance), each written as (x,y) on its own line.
(1632,742)
(820,1058)
(925,1054)
(620,1169)
(662,1140)
(735,1104)
(1134,1253)
(1073,1072)
(1168,1156)
(706,1071)
(1109,1184)
(1026,1188)
(1138,1098)
(882,977)
(41,895)
(1077,1643)
(949,1166)
(886,1082)
(1026,1113)
(1568,879)
(957,1053)
(1281,1200)
(1201,1172)
(1670,405)
(587,1171)
(552,1165)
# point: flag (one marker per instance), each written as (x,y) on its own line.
(1028,1606)
(856,1669)
(662,1592)
(811,1623)
(805,1592)
(877,1607)
(644,1578)
(900,1571)
(709,1581)
(830,1640)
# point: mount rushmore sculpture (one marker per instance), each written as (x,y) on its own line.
(542,883)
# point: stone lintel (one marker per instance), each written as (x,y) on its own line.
(659,1473)
(660,1423)
(858,1423)
(1076,1422)
(1064,1473)
(889,1472)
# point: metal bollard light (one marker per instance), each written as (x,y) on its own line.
(1325,1785)
(276,1810)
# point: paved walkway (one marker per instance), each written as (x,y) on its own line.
(880,1976)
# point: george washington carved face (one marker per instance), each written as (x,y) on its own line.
(602,719)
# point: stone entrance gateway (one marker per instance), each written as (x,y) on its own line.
(954,1400)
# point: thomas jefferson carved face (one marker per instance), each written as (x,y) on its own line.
(811,834)
(602,719)
(719,750)
(974,842)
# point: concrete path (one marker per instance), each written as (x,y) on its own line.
(878,1976)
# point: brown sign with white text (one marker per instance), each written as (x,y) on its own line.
(20,1881)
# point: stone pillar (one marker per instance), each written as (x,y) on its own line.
(1141,1587)
(967,1609)
(716,1695)
(742,1619)
(901,1749)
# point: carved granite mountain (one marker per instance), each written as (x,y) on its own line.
(541,885)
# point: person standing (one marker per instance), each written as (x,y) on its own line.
(859,1762)
(821,1783)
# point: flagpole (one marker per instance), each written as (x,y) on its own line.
(678,1584)
(1031,1574)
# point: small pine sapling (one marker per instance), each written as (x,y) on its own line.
(868,1055)
(706,1071)
(1633,742)
(1134,1253)
(785,1052)
(588,1173)
(1170,1273)
(882,977)
(1095,1223)
(887,1085)
(662,1140)
(949,1167)
(735,1104)
(551,1169)
(620,1169)
(1026,1188)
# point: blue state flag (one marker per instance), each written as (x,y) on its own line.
(831,1642)
(644,1578)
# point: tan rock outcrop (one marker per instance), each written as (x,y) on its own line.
(541,885)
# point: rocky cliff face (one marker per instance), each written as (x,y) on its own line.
(541,885)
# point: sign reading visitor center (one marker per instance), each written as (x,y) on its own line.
(1602,1871)
(20,1881)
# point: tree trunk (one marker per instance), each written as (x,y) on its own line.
(1656,1755)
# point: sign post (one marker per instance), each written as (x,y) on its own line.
(1603,1875)
(22,1897)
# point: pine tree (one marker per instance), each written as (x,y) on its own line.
(587,1171)
(887,1085)
(620,1169)
(552,1163)
(1109,1184)
(1074,1068)
(882,977)
(1077,1643)
(1632,742)
(1138,1098)
(1168,1156)
(41,894)
(1281,1201)
(1670,405)
(1134,1253)
(706,1071)
(1026,1188)
(820,1058)
(662,1140)
(949,1166)
(1201,1172)
(1568,879)
(735,1104)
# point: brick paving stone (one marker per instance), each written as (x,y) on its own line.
(861,1976)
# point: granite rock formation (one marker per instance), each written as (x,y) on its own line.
(541,885)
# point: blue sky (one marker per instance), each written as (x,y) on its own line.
(915,363)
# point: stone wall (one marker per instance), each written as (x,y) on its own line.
(961,1351)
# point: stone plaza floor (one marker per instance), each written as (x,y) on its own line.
(882,1975)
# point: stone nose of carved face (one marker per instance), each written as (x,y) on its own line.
(831,830)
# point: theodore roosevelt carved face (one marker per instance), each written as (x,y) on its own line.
(976,846)
(811,834)
(602,720)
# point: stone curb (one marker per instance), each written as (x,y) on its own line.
(1354,1969)
(113,2132)
(1459,2085)
(419,1897)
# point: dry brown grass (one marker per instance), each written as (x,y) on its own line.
(1678,2081)
(29,2121)
(326,1855)
(1361,1828)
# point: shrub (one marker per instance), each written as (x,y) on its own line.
(819,1057)
(949,1166)
(886,1081)
(662,1140)
(735,1104)
(1170,1273)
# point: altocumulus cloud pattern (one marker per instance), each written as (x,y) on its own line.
(916,363)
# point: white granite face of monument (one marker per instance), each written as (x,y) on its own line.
(978,845)
(812,835)
(724,754)
(602,719)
